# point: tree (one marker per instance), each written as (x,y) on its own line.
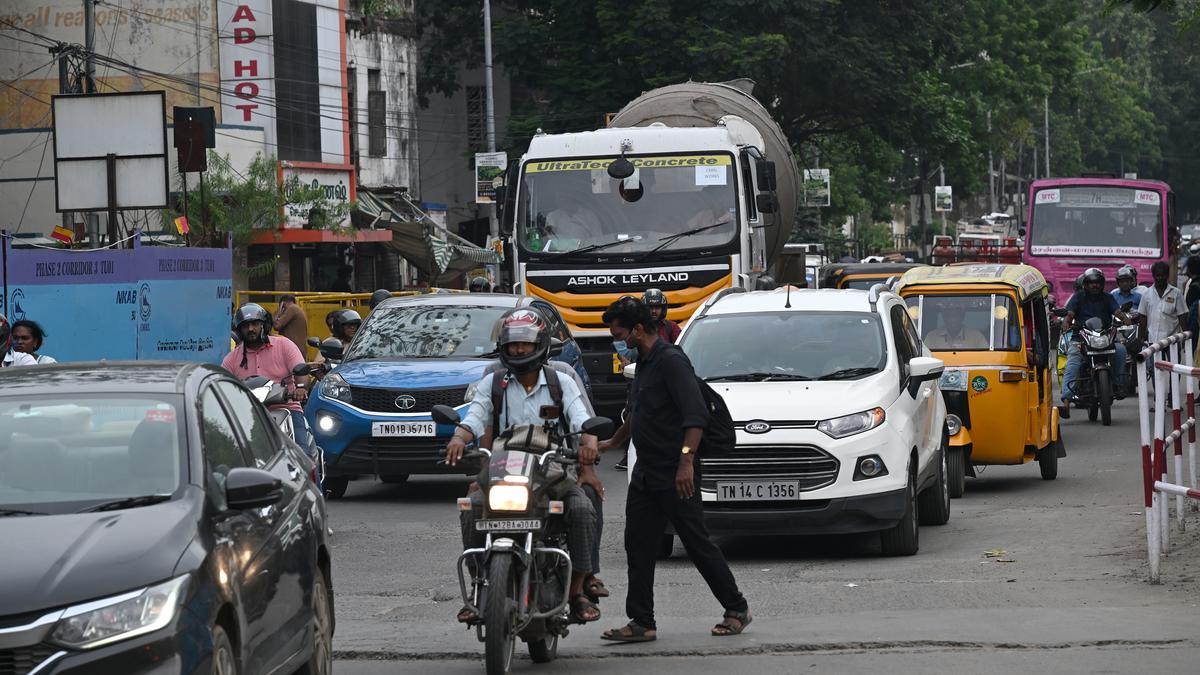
(241,204)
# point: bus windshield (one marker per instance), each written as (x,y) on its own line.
(675,202)
(1096,220)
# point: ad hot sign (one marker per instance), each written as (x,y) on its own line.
(247,64)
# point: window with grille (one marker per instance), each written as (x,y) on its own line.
(376,116)
(476,117)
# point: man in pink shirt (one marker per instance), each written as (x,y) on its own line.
(273,359)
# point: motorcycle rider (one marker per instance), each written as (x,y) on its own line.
(1126,291)
(656,300)
(273,359)
(480,285)
(377,297)
(1091,302)
(345,325)
(524,347)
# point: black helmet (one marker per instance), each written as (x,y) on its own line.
(523,324)
(479,285)
(252,312)
(378,297)
(342,319)
(653,297)
(1093,275)
(1127,272)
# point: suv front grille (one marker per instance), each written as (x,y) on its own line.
(22,660)
(384,400)
(810,465)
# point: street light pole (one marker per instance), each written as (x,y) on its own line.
(942,182)
(991,167)
(493,222)
(1046,107)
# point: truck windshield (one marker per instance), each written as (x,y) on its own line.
(573,205)
(1099,221)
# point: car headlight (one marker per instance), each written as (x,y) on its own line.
(1097,340)
(953,425)
(848,425)
(335,387)
(953,380)
(503,497)
(121,617)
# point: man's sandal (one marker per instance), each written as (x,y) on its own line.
(630,632)
(595,589)
(584,610)
(733,623)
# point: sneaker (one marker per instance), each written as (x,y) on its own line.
(1064,411)
(622,465)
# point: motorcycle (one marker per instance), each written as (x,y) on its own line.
(1128,335)
(521,576)
(1093,386)
(271,393)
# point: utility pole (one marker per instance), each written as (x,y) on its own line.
(991,167)
(1046,107)
(942,182)
(89,41)
(493,225)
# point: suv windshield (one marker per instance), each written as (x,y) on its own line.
(817,345)
(572,205)
(966,322)
(61,455)
(427,331)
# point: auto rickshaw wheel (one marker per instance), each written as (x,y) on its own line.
(956,463)
(1048,460)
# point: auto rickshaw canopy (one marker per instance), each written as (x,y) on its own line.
(1026,280)
(865,274)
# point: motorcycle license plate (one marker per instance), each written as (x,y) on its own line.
(507,525)
(411,429)
(757,490)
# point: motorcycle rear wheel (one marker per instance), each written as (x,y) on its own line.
(1104,396)
(499,616)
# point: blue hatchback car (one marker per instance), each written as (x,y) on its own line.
(371,414)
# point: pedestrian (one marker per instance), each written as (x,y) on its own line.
(291,322)
(1163,306)
(668,419)
(27,337)
(11,357)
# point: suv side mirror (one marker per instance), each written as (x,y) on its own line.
(925,368)
(247,488)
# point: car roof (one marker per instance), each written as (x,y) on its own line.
(801,300)
(157,377)
(456,299)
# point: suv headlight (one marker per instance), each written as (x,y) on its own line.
(953,380)
(121,617)
(848,425)
(503,497)
(335,387)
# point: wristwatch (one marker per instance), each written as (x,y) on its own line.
(686,450)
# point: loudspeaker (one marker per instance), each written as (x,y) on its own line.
(195,133)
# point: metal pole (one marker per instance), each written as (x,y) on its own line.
(942,182)
(89,39)
(111,165)
(493,221)
(64,87)
(1046,106)
(991,167)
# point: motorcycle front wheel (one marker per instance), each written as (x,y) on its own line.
(1104,396)
(500,613)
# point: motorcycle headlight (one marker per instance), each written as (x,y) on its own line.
(848,425)
(1097,340)
(503,497)
(335,387)
(953,380)
(103,622)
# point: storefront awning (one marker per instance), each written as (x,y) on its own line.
(432,249)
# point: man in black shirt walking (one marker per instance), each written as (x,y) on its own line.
(667,421)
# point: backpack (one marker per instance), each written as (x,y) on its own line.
(500,382)
(719,437)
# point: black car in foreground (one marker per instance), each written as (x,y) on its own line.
(153,520)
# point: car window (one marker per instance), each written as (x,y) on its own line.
(252,420)
(222,450)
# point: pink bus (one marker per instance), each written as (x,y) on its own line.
(1077,223)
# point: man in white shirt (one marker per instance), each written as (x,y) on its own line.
(1162,308)
(12,358)
(524,345)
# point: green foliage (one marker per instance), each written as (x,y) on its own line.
(241,204)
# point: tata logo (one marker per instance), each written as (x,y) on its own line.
(405,402)
(757,427)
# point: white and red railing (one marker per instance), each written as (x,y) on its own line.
(1175,373)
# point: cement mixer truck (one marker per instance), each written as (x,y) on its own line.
(692,188)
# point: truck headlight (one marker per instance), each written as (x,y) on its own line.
(121,617)
(503,497)
(848,425)
(335,387)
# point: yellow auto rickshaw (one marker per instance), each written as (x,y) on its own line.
(990,324)
(860,276)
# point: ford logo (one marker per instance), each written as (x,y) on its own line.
(757,427)
(405,402)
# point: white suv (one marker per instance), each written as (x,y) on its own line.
(840,426)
